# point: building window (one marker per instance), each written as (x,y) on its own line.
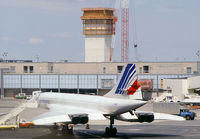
(104,70)
(119,69)
(31,69)
(25,69)
(12,68)
(189,70)
(51,68)
(145,69)
(140,70)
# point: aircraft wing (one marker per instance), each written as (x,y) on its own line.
(139,116)
(50,118)
(63,114)
(164,116)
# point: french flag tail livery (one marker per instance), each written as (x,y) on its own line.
(127,85)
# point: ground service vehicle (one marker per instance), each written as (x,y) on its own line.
(187,114)
(26,124)
(20,96)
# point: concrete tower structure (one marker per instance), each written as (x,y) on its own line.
(98,28)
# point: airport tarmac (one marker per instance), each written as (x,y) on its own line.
(157,129)
(162,129)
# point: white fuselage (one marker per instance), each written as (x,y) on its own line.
(103,104)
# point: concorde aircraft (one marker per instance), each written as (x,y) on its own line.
(120,103)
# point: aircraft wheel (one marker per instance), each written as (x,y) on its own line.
(114,131)
(111,132)
(107,131)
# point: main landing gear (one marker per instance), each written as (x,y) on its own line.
(111,131)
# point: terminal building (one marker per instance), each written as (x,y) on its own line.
(90,77)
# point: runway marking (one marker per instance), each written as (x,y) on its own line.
(133,129)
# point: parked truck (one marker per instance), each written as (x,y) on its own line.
(175,109)
(187,114)
(25,124)
(20,96)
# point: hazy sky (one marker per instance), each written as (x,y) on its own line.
(167,30)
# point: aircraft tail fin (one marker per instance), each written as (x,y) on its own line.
(127,86)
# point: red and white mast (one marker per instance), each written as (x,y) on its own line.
(124,30)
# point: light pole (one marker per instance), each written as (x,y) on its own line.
(198,54)
(37,57)
(198,61)
(5,54)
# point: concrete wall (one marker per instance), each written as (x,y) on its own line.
(97,48)
(98,68)
(87,68)
(111,68)
(41,68)
(168,67)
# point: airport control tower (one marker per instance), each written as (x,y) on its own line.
(98,28)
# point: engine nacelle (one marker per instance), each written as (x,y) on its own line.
(79,119)
(145,117)
(136,117)
(84,120)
